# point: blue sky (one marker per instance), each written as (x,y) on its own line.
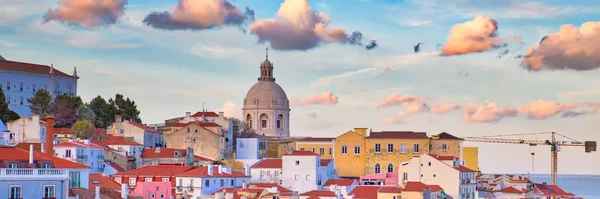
(170,72)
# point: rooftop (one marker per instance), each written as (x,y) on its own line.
(319,193)
(77,144)
(17,154)
(339,182)
(157,170)
(28,67)
(365,192)
(105,140)
(268,163)
(163,153)
(103,181)
(302,153)
(315,139)
(206,114)
(447,136)
(141,126)
(203,172)
(199,123)
(397,135)
(325,162)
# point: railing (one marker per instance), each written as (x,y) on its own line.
(82,157)
(33,173)
(101,157)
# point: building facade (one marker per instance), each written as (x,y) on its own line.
(304,171)
(322,146)
(267,170)
(203,141)
(471,158)
(159,173)
(208,179)
(150,138)
(21,80)
(82,152)
(27,129)
(266,106)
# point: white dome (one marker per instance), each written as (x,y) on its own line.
(266,94)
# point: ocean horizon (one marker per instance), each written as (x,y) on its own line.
(585,186)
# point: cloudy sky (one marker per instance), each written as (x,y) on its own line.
(483,67)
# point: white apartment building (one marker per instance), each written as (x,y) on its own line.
(209,116)
(457,181)
(304,171)
(83,152)
(150,138)
(267,170)
(344,185)
(27,130)
(208,179)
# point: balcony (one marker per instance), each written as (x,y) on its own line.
(101,157)
(82,157)
(37,173)
(468,181)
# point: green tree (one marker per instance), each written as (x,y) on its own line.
(127,108)
(74,100)
(41,103)
(85,112)
(6,115)
(83,129)
(100,109)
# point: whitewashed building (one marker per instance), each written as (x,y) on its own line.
(27,130)
(208,179)
(141,134)
(83,152)
(457,181)
(304,171)
(267,170)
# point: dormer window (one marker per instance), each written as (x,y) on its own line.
(13,166)
(46,165)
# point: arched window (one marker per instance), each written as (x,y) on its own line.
(390,168)
(280,121)
(377,168)
(249,120)
(264,119)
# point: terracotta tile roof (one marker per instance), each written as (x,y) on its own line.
(389,189)
(113,140)
(78,145)
(440,157)
(202,158)
(339,182)
(227,190)
(28,67)
(322,193)
(103,181)
(397,135)
(89,193)
(315,139)
(302,153)
(12,153)
(115,166)
(203,172)
(37,147)
(141,126)
(156,170)
(419,186)
(509,190)
(365,192)
(434,188)
(163,153)
(325,162)
(551,190)
(448,136)
(268,163)
(464,169)
(206,114)
(199,123)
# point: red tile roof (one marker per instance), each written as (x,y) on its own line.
(203,172)
(317,193)
(464,169)
(115,166)
(434,188)
(397,135)
(206,114)
(315,139)
(440,157)
(202,158)
(103,181)
(448,136)
(78,145)
(509,190)
(390,189)
(365,192)
(113,140)
(28,67)
(199,123)
(419,186)
(163,153)
(339,182)
(266,185)
(17,154)
(157,170)
(144,127)
(325,162)
(551,190)
(302,153)
(37,147)
(269,163)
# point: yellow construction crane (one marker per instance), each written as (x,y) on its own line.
(553,143)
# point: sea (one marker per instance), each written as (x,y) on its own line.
(585,186)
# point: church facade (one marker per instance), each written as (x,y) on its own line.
(266,106)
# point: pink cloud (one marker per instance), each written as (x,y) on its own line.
(412,108)
(298,27)
(87,13)
(444,108)
(477,35)
(399,99)
(199,15)
(569,49)
(486,113)
(230,109)
(543,109)
(326,98)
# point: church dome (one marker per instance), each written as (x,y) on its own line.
(266,94)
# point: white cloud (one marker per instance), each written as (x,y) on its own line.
(214,51)
(413,22)
(8,44)
(230,109)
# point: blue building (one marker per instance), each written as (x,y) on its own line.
(21,80)
(247,149)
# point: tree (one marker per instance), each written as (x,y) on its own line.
(64,112)
(83,129)
(100,107)
(85,112)
(241,129)
(74,100)
(127,108)
(41,103)
(6,115)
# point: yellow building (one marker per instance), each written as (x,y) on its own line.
(322,146)
(445,144)
(276,147)
(471,158)
(387,149)
(348,155)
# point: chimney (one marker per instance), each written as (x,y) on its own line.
(118,118)
(42,145)
(220,169)
(97,192)
(188,114)
(87,141)
(49,146)
(75,72)
(246,170)
(30,153)
(124,191)
(221,114)
(243,185)
(210,169)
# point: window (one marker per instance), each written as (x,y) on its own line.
(75,180)
(276,173)
(429,163)
(122,131)
(330,151)
(296,177)
(118,180)
(15,192)
(403,148)
(263,124)
(434,175)
(49,191)
(21,100)
(377,168)
(322,151)
(115,157)
(307,177)
(269,173)
(132,181)
(188,130)
(148,179)
(231,182)
(301,148)
(415,148)
(191,182)
(12,165)
(278,124)
(390,168)
(222,182)
(444,147)
(57,88)
(69,89)
(7,85)
(21,87)
(404,176)
(312,149)
(8,99)
(377,148)
(297,163)
(176,153)
(357,150)
(344,149)
(34,87)
(207,183)
(390,148)
(165,179)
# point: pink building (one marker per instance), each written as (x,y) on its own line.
(390,178)
(152,190)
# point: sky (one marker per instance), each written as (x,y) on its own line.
(482,67)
